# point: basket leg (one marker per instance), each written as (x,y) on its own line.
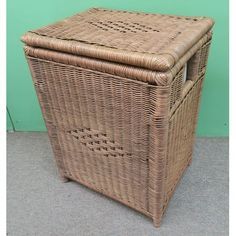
(64,179)
(190,161)
(157,222)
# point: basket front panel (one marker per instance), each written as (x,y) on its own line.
(102,126)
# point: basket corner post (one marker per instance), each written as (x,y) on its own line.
(160,100)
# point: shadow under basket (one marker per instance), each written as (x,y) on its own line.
(120,100)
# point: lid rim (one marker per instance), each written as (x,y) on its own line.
(160,56)
(160,62)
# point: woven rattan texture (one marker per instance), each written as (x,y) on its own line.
(120,113)
(102,128)
(137,32)
(152,41)
(124,138)
(180,139)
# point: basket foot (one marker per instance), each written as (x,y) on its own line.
(157,222)
(64,179)
(190,162)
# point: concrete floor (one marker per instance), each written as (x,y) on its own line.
(39,204)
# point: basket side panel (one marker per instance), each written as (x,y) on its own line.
(181,139)
(174,112)
(101,126)
(183,120)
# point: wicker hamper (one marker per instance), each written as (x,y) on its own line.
(119,92)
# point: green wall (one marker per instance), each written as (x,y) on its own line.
(27,14)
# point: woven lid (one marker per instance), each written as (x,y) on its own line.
(152,41)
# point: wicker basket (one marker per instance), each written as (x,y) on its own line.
(119,92)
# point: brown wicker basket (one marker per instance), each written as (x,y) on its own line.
(119,92)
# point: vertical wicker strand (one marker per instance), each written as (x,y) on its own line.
(160,99)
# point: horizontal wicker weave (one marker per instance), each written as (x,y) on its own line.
(119,92)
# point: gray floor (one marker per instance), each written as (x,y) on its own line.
(39,204)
